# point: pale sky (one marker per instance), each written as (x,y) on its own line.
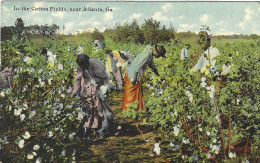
(222,17)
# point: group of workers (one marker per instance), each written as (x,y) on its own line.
(93,80)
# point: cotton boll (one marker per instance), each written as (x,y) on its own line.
(62,95)
(27,59)
(10,108)
(38,160)
(176,130)
(17,112)
(21,143)
(218,118)
(81,115)
(238,101)
(2,93)
(232,155)
(211,95)
(203,84)
(157,148)
(185,141)
(22,117)
(60,66)
(32,114)
(36,147)
(63,153)
(172,145)
(71,136)
(26,135)
(50,134)
(30,156)
(25,106)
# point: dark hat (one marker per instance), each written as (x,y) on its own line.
(160,50)
(187,45)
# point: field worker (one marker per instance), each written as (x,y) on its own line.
(6,78)
(185,52)
(207,59)
(134,73)
(98,45)
(91,82)
(206,64)
(115,63)
(80,48)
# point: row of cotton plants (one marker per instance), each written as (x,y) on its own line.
(40,120)
(207,118)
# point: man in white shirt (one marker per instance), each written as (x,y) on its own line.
(207,61)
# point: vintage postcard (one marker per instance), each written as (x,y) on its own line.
(129,81)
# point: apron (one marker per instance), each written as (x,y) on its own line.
(132,93)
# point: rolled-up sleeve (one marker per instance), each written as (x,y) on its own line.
(76,86)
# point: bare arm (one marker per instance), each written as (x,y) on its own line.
(76,86)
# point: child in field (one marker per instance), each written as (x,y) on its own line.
(134,73)
(91,82)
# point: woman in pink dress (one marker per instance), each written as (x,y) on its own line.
(91,83)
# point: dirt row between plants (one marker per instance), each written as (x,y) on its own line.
(129,142)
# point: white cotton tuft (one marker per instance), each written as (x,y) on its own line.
(157,148)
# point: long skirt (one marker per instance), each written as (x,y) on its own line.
(96,120)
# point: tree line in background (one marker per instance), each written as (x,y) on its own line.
(21,30)
(151,32)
